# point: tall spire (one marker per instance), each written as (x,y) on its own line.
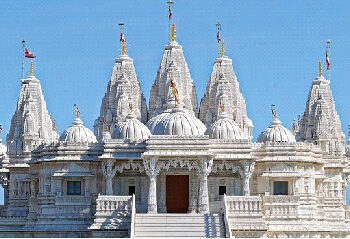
(31,123)
(320,123)
(123,88)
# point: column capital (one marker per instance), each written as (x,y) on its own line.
(108,168)
(205,166)
(151,167)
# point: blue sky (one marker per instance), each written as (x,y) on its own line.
(275,47)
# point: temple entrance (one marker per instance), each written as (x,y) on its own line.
(177,193)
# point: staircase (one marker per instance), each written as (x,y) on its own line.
(179,225)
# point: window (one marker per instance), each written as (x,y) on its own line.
(222,190)
(73,188)
(131,190)
(280,188)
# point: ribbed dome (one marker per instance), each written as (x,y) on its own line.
(224,128)
(176,121)
(78,134)
(276,133)
(131,129)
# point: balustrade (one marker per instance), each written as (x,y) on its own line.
(281,206)
(243,204)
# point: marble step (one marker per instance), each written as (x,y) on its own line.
(170,234)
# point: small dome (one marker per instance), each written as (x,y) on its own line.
(276,133)
(131,129)
(224,128)
(176,121)
(78,134)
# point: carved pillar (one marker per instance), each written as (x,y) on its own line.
(152,170)
(248,168)
(204,170)
(193,196)
(108,171)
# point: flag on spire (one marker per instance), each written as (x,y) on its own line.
(328,61)
(218,36)
(170,13)
(122,37)
(28,54)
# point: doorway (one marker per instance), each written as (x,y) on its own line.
(177,193)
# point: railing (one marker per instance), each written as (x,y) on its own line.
(133,213)
(226,220)
(243,205)
(107,205)
(114,213)
(281,207)
(73,200)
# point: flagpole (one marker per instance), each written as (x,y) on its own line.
(328,53)
(170,13)
(121,27)
(23,48)
(218,36)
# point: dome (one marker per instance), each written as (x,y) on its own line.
(276,133)
(176,121)
(131,129)
(224,128)
(78,134)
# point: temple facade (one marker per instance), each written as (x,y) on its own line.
(176,167)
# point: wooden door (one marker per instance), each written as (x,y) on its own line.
(177,193)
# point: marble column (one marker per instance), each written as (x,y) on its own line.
(204,170)
(109,171)
(248,168)
(152,171)
(193,196)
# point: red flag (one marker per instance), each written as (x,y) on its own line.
(299,120)
(328,61)
(170,13)
(122,38)
(28,54)
(218,36)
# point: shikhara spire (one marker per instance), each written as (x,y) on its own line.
(31,123)
(223,78)
(320,123)
(123,88)
(173,69)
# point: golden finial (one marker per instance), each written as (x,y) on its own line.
(173,32)
(319,69)
(273,111)
(123,50)
(31,69)
(222,48)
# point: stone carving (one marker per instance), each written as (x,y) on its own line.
(248,167)
(204,170)
(228,166)
(109,171)
(152,170)
(281,167)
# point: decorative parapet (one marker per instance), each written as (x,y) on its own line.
(113,213)
(281,207)
(245,213)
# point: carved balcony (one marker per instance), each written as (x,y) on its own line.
(281,207)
